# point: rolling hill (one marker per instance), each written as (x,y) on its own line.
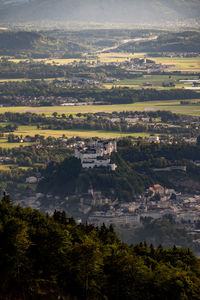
(121,11)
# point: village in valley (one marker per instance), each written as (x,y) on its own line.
(103,124)
(97,207)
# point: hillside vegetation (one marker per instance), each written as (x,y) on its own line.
(101,11)
(188,41)
(25,44)
(53,258)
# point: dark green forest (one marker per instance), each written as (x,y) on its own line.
(122,95)
(134,173)
(43,257)
(177,42)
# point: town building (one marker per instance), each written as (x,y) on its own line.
(97,154)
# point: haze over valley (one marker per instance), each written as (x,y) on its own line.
(105,11)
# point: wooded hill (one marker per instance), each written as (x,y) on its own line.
(44,257)
(187,41)
(30,44)
(133,175)
(123,11)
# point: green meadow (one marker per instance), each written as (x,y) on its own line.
(32,131)
(183,64)
(155,80)
(172,105)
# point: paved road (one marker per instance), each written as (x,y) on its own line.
(125,42)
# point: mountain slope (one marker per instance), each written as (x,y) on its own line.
(133,11)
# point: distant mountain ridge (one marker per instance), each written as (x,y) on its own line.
(122,11)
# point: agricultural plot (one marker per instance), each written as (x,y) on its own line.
(155,81)
(118,57)
(183,64)
(32,131)
(5,144)
(102,57)
(174,106)
(27,79)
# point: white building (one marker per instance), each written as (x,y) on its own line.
(154,139)
(97,154)
(31,180)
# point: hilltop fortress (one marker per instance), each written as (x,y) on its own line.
(97,154)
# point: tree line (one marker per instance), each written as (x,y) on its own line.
(43,257)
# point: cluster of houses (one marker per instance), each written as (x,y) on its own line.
(180,54)
(35,101)
(184,208)
(19,139)
(144,65)
(76,81)
(137,64)
(97,154)
(92,199)
(116,118)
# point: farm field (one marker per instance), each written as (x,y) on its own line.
(155,80)
(5,144)
(27,79)
(6,167)
(102,57)
(32,131)
(172,105)
(183,64)
(57,61)
(118,56)
(14,79)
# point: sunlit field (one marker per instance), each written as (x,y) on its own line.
(5,144)
(27,79)
(118,57)
(183,64)
(156,81)
(32,131)
(173,106)
(102,57)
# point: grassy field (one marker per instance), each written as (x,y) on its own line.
(173,106)
(103,57)
(26,79)
(5,144)
(57,61)
(155,80)
(183,64)
(118,57)
(14,79)
(32,131)
(5,167)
